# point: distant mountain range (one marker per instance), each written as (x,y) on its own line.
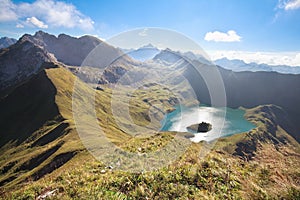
(6,42)
(39,134)
(239,66)
(149,52)
(76,55)
(146,52)
(34,53)
(245,88)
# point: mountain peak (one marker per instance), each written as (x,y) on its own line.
(67,49)
(20,61)
(6,42)
(150,46)
(238,65)
(40,33)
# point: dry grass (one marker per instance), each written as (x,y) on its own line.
(272,172)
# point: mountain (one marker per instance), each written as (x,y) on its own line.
(243,89)
(45,150)
(239,65)
(170,56)
(6,42)
(146,52)
(73,51)
(193,56)
(31,53)
(20,61)
(38,132)
(45,153)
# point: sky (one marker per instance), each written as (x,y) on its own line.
(263,31)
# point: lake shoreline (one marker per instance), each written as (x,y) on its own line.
(225,121)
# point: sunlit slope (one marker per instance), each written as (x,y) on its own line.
(271,172)
(37,139)
(38,132)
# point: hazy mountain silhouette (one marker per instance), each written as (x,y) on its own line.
(6,42)
(239,65)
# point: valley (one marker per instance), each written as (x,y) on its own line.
(87,128)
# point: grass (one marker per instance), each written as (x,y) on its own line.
(270,173)
(53,89)
(218,176)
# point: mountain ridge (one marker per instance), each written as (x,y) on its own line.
(6,42)
(240,65)
(20,61)
(68,50)
(41,150)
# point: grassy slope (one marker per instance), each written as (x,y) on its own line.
(51,140)
(268,169)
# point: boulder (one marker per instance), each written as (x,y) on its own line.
(202,127)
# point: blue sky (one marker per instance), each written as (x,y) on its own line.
(221,26)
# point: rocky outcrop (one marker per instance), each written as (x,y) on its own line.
(6,42)
(86,50)
(20,61)
(68,50)
(202,127)
(272,124)
(168,56)
(29,55)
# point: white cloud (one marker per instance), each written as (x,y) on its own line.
(52,12)
(230,36)
(144,32)
(34,21)
(19,25)
(271,58)
(7,11)
(289,4)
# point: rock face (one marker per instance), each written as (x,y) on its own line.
(20,61)
(86,50)
(68,50)
(202,127)
(6,42)
(31,53)
(168,56)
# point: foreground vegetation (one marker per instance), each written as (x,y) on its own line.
(217,176)
(53,163)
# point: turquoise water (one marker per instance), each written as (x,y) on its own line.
(225,121)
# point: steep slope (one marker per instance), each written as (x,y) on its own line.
(272,124)
(250,89)
(6,42)
(32,129)
(20,61)
(27,109)
(38,132)
(41,151)
(168,56)
(51,159)
(144,53)
(73,51)
(229,171)
(32,53)
(67,49)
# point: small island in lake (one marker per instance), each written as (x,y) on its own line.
(200,128)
